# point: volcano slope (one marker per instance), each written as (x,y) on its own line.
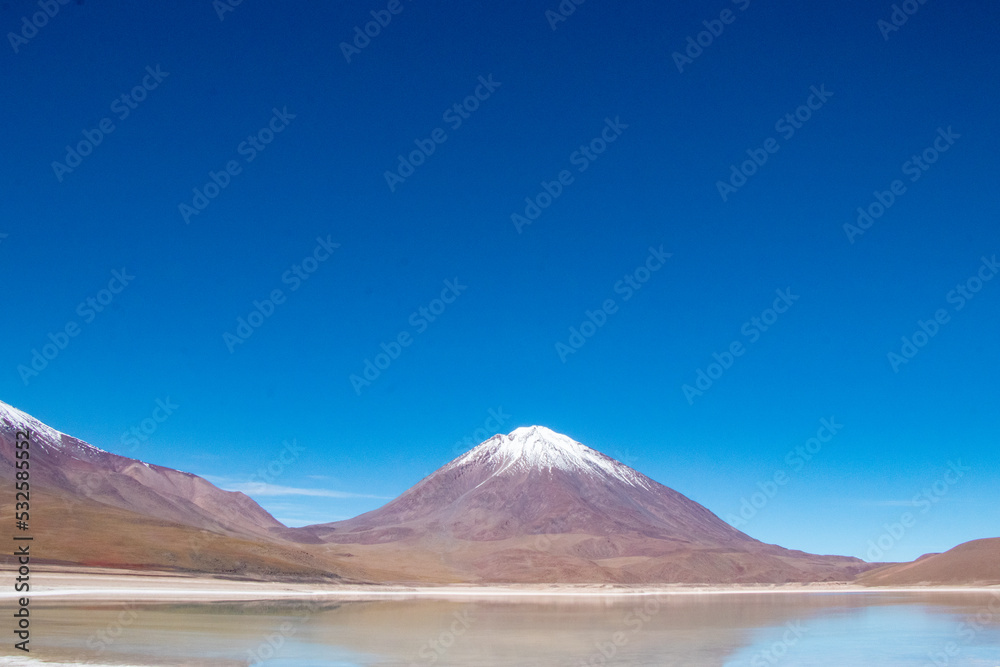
(89,507)
(535,506)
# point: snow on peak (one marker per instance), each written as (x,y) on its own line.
(11,415)
(16,419)
(538,447)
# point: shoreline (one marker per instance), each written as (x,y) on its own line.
(112,585)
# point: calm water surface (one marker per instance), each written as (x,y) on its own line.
(756,630)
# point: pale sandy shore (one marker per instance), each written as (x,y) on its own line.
(70,583)
(12,661)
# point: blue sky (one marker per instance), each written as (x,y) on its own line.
(627,153)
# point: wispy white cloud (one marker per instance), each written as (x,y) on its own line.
(262,489)
(887,503)
(300,521)
(922,501)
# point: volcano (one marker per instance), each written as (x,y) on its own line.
(535,505)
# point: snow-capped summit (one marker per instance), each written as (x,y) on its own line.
(46,437)
(534,480)
(537,506)
(537,447)
(14,418)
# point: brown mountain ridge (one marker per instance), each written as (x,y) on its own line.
(531,506)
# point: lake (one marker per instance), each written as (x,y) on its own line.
(753,629)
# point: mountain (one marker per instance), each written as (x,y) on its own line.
(535,505)
(975,562)
(65,464)
(92,507)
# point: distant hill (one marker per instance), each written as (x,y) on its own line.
(975,562)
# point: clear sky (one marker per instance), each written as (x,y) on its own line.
(631,141)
